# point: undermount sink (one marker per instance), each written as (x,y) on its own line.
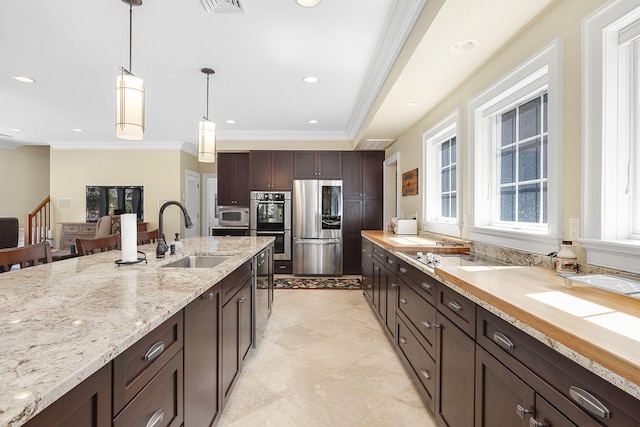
(614,283)
(198,261)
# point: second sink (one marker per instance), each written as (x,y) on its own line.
(198,261)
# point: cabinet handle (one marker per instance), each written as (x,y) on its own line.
(522,412)
(394,285)
(425,374)
(455,306)
(503,341)
(426,324)
(209,296)
(589,402)
(156,418)
(403,270)
(282,267)
(403,301)
(154,351)
(242,300)
(426,285)
(403,340)
(534,423)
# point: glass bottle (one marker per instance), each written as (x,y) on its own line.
(179,245)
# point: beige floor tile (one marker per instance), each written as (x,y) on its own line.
(324,361)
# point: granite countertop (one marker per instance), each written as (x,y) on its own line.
(61,322)
(599,330)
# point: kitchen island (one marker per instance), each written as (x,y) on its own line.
(519,317)
(64,321)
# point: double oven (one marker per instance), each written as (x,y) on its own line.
(270,215)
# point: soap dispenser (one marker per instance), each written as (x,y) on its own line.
(178,244)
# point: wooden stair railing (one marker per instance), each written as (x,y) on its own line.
(38,223)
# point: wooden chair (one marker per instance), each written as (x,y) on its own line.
(145,237)
(99,244)
(25,256)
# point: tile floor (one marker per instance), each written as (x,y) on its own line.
(324,361)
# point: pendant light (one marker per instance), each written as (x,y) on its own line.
(207,131)
(129,94)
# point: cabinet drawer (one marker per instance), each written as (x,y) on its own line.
(390,263)
(160,403)
(282,267)
(419,361)
(137,365)
(458,309)
(554,375)
(425,285)
(420,313)
(67,228)
(380,253)
(234,281)
(88,229)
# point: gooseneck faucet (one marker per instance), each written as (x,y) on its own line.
(162,247)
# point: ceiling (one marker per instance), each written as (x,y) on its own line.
(371,57)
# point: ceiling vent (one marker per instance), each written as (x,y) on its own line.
(218,6)
(376,144)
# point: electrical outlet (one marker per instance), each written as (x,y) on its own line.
(574,228)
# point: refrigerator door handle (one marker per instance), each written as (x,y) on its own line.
(316,241)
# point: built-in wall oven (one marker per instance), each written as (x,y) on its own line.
(270,215)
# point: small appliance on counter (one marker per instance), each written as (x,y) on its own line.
(406,226)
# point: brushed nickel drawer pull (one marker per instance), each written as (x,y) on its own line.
(534,423)
(390,261)
(503,341)
(455,306)
(209,296)
(156,418)
(154,351)
(522,412)
(394,285)
(425,374)
(403,270)
(242,300)
(403,340)
(589,402)
(426,285)
(426,324)
(403,301)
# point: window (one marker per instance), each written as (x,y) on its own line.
(441,177)
(610,209)
(515,148)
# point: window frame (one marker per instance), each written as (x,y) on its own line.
(605,136)
(542,70)
(450,126)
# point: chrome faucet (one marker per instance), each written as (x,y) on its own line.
(162,247)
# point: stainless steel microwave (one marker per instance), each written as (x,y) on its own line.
(233,216)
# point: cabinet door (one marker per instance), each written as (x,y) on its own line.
(245,317)
(372,167)
(351,216)
(241,179)
(391,303)
(352,174)
(282,170)
(86,405)
(330,164)
(377,278)
(351,252)
(304,165)
(226,179)
(260,170)
(201,348)
(502,399)
(230,367)
(371,214)
(455,364)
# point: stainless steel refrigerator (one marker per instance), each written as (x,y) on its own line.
(317,227)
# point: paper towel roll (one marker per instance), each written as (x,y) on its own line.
(129,237)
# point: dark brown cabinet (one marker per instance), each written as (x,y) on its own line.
(317,165)
(233,179)
(202,323)
(271,170)
(385,289)
(367,268)
(87,405)
(236,327)
(362,202)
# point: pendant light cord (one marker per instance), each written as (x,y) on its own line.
(207,96)
(130,32)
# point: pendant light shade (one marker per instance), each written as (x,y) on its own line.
(207,131)
(129,94)
(129,106)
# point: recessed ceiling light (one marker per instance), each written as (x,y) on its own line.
(308,3)
(16,130)
(24,79)
(463,46)
(414,103)
(313,122)
(77,130)
(311,79)
(231,122)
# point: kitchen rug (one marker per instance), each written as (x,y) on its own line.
(317,283)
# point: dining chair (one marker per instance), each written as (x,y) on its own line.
(145,237)
(99,244)
(103,227)
(9,232)
(25,256)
